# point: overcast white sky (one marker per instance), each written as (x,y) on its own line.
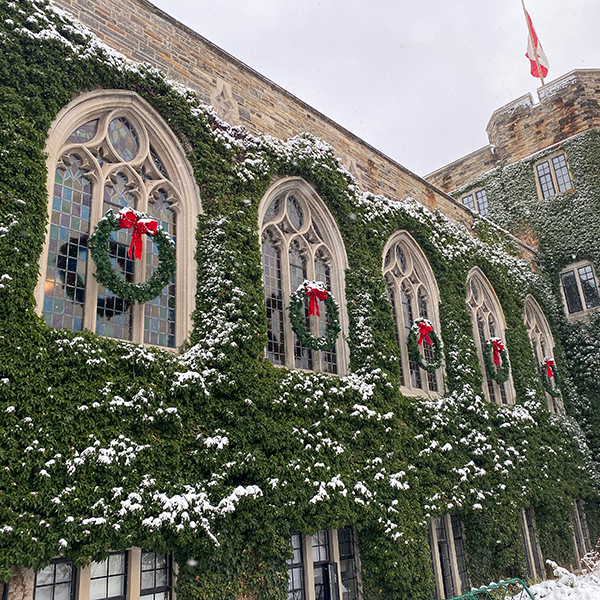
(417,79)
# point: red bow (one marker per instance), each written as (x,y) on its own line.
(549,365)
(129,220)
(314,294)
(424,329)
(498,347)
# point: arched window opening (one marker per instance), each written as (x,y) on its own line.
(542,343)
(412,292)
(108,150)
(488,321)
(295,222)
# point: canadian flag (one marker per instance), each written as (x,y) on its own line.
(535,47)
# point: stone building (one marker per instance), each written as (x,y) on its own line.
(201,431)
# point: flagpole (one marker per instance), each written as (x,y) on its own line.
(535,52)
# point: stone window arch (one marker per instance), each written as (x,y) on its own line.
(412,291)
(542,343)
(488,321)
(300,240)
(110,149)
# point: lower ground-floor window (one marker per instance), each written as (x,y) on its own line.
(132,575)
(324,566)
(581,536)
(446,541)
(533,553)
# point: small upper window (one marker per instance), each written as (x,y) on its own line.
(553,176)
(580,289)
(477,201)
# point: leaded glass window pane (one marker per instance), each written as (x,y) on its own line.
(107,578)
(415,371)
(123,138)
(328,358)
(159,314)
(545,179)
(294,211)
(561,170)
(155,581)
(320,546)
(113,314)
(296,569)
(482,202)
(84,133)
(459,548)
(392,298)
(347,564)
(588,286)
(302,355)
(55,582)
(569,284)
(66,270)
(482,340)
(428,352)
(271,260)
(469,202)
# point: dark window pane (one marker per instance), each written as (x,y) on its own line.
(588,286)
(569,284)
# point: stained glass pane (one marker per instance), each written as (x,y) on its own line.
(158,163)
(294,211)
(273,211)
(322,273)
(428,352)
(482,339)
(272,280)
(123,138)
(66,270)
(407,311)
(302,355)
(401,258)
(114,314)
(392,298)
(159,314)
(84,133)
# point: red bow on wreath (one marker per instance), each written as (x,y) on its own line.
(424,329)
(498,347)
(314,294)
(129,220)
(549,365)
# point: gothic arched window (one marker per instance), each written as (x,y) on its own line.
(412,291)
(542,343)
(488,321)
(300,241)
(108,150)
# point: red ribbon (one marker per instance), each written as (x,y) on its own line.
(498,347)
(424,330)
(549,365)
(129,220)
(314,294)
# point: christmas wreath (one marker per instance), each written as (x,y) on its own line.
(549,372)
(422,333)
(314,291)
(140,224)
(498,367)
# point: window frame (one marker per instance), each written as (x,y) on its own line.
(585,313)
(552,172)
(539,333)
(152,130)
(416,263)
(531,545)
(490,301)
(475,201)
(332,241)
(334,558)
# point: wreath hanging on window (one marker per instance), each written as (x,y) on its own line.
(140,224)
(550,372)
(423,334)
(315,291)
(496,360)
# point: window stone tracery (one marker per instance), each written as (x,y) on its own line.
(109,150)
(488,321)
(412,292)
(296,225)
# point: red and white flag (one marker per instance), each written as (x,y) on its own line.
(535,47)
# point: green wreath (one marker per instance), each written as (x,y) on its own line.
(498,375)
(297,318)
(106,275)
(413,345)
(553,391)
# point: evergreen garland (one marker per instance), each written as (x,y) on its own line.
(553,391)
(107,276)
(413,347)
(305,337)
(498,375)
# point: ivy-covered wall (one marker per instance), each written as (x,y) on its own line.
(215,454)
